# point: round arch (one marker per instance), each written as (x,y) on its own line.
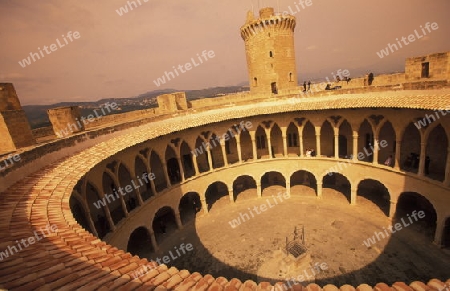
(273,180)
(335,185)
(413,202)
(189,205)
(164,223)
(139,242)
(216,194)
(243,183)
(373,191)
(303,182)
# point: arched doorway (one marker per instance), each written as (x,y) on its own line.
(164,223)
(78,213)
(410,149)
(158,170)
(273,183)
(436,154)
(190,204)
(141,171)
(241,186)
(304,183)
(186,160)
(410,202)
(217,194)
(139,243)
(335,185)
(375,192)
(173,168)
(113,198)
(276,140)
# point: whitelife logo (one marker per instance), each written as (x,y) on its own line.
(390,229)
(411,38)
(183,249)
(188,66)
(11,250)
(53,47)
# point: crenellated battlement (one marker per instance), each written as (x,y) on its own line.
(267,22)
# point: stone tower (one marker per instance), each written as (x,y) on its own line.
(269,46)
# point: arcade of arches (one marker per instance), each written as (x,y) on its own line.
(271,153)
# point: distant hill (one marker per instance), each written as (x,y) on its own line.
(37,114)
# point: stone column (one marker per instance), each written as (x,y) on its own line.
(178,220)
(153,241)
(91,224)
(238,145)
(166,174)
(284,134)
(288,188)
(423,147)
(269,143)
(319,190)
(398,144)
(353,195)
(180,165)
(355,145)
(194,161)
(138,193)
(447,169)
(210,163)
(204,205)
(224,152)
(255,151)
(231,194)
(392,209)
(300,140)
(122,200)
(318,151)
(109,218)
(336,145)
(258,189)
(440,224)
(376,147)
(153,187)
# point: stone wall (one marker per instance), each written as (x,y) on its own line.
(65,120)
(14,127)
(121,118)
(8,98)
(43,132)
(438,67)
(173,102)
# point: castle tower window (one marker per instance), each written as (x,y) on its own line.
(290,77)
(426,70)
(255,82)
(271,54)
(274,87)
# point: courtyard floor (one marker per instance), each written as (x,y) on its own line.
(334,235)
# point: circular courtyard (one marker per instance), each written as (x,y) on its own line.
(345,244)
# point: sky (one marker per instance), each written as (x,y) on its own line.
(113,56)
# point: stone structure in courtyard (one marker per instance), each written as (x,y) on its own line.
(128,197)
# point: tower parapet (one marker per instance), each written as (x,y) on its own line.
(269,46)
